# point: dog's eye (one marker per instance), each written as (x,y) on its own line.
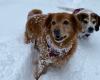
(85,21)
(65,22)
(93,22)
(53,22)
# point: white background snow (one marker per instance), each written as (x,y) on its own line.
(16,57)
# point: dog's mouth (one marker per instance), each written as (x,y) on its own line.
(87,35)
(60,39)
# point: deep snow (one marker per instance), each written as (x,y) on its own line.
(16,57)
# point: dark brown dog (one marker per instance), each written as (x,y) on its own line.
(55,36)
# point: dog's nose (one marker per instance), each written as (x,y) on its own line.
(90,30)
(57,33)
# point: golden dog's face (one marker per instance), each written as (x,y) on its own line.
(62,26)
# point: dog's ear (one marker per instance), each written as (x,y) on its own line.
(48,20)
(98,21)
(76,24)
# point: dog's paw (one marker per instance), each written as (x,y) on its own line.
(37,77)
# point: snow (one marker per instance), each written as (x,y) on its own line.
(16,56)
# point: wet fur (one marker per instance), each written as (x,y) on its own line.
(38,32)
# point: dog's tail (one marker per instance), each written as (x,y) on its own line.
(36,11)
(75,11)
(33,12)
(67,9)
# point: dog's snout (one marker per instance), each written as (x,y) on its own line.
(57,33)
(90,29)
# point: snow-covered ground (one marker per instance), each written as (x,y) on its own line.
(16,57)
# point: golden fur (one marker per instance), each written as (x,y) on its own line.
(39,26)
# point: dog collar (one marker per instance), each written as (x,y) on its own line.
(54,50)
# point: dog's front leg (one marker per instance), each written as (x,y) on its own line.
(41,69)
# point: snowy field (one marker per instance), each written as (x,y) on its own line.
(16,57)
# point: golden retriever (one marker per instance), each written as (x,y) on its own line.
(55,36)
